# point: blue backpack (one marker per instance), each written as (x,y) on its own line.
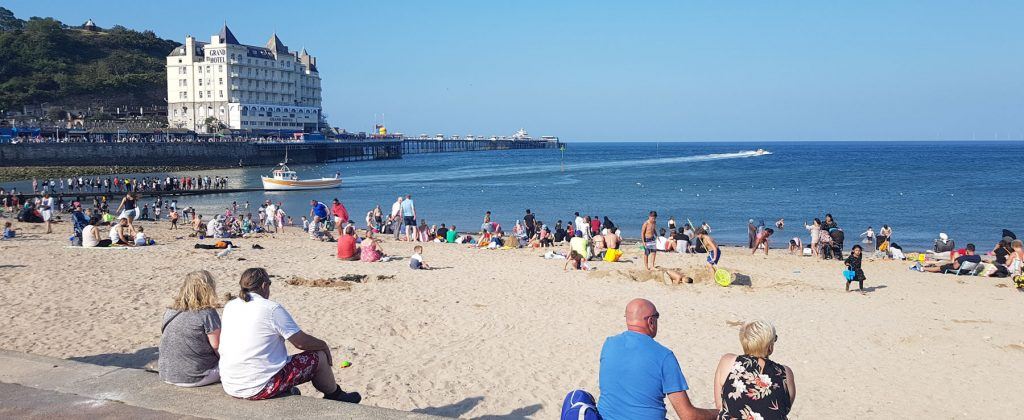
(579,405)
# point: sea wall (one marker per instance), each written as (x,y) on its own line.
(192,154)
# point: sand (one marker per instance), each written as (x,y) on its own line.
(495,333)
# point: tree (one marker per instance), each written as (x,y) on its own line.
(8,22)
(43,60)
(213,125)
(56,114)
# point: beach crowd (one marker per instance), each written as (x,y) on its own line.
(244,348)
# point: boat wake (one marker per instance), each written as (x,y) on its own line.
(476,172)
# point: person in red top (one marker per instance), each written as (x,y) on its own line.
(595,226)
(340,213)
(347,245)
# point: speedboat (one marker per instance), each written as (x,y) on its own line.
(761,152)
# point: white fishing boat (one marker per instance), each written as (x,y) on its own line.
(285,179)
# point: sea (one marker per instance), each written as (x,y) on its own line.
(971,190)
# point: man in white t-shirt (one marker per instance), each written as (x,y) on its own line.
(581,224)
(396,217)
(254,363)
(271,214)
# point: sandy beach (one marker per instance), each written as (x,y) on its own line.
(505,334)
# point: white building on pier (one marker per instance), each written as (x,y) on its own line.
(242,87)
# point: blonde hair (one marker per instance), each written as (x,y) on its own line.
(758,338)
(197,292)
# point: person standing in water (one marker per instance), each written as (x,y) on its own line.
(650,239)
(751,233)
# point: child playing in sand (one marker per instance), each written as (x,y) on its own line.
(8,231)
(576,260)
(140,237)
(714,253)
(416,262)
(174,218)
(305,223)
(853,264)
(795,246)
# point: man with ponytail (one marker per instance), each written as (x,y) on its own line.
(254,363)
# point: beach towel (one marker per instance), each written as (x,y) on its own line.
(579,405)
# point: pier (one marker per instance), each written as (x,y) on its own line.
(415,146)
(242,153)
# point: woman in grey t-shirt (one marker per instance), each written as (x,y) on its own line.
(191,334)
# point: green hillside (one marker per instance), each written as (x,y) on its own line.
(44,61)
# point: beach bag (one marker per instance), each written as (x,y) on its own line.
(579,405)
(1018,281)
(849,274)
(612,255)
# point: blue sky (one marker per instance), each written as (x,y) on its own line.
(597,70)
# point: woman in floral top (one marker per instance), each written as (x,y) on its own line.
(753,387)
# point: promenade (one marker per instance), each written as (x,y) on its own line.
(34,386)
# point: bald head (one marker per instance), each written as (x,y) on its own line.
(642,317)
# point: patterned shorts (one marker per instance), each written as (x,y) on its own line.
(300,369)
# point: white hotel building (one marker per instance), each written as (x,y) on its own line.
(241,86)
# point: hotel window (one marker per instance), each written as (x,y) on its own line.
(200,94)
(220,68)
(220,81)
(221,93)
(200,82)
(207,68)
(209,94)
(183,70)
(175,113)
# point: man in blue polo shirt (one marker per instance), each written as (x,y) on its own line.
(317,209)
(637,373)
